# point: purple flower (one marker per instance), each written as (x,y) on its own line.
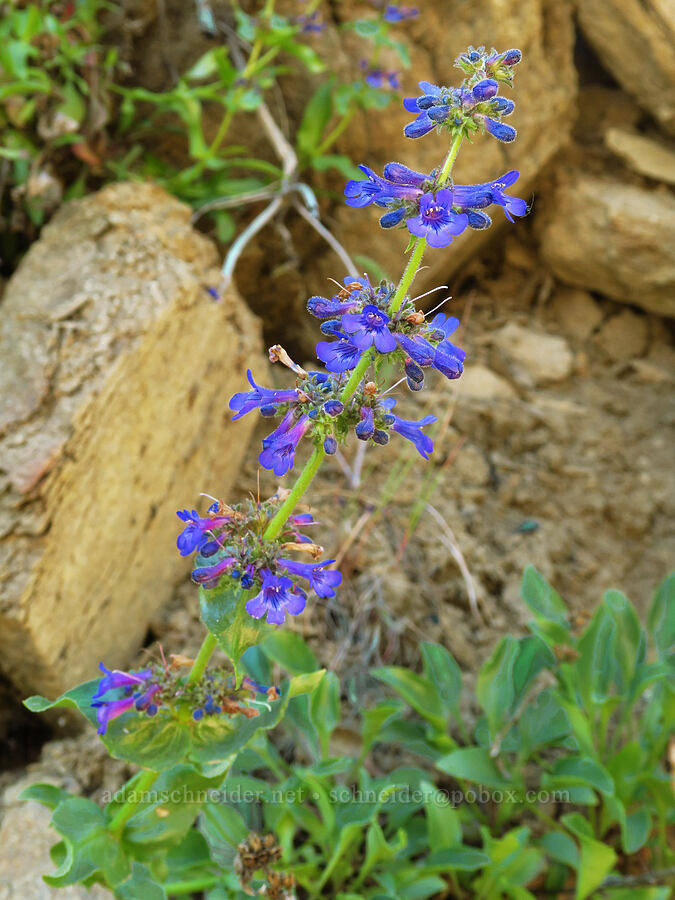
(502,106)
(207,574)
(277,597)
(447,324)
(420,126)
(417,348)
(111,709)
(338,356)
(279,447)
(412,431)
(259,396)
(393,217)
(510,57)
(321,580)
(333,407)
(478,196)
(400,174)
(393,14)
(323,308)
(449,360)
(193,536)
(381,78)
(437,222)
(499,130)
(115,679)
(366,426)
(485,89)
(377,190)
(368,328)
(330,445)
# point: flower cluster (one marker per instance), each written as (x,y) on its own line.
(473,106)
(164,688)
(365,322)
(437,214)
(229,542)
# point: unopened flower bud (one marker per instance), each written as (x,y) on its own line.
(511,57)
(330,445)
(485,89)
(333,407)
(380,437)
(415,318)
(331,326)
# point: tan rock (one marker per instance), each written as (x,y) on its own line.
(577,313)
(624,336)
(480,383)
(539,357)
(643,154)
(25,840)
(117,367)
(636,41)
(613,238)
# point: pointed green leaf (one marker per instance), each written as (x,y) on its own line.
(473,764)
(661,619)
(224,614)
(444,673)
(416,690)
(543,600)
(289,650)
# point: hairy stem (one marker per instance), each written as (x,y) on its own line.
(143,783)
(311,468)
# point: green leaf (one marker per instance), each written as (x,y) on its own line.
(289,650)
(47,794)
(443,672)
(542,722)
(170,808)
(78,698)
(596,862)
(306,684)
(638,893)
(416,690)
(315,119)
(459,859)
(635,830)
(661,619)
(324,707)
(581,770)
(495,686)
(444,828)
(374,719)
(89,846)
(379,850)
(543,600)
(140,884)
(561,848)
(224,614)
(223,827)
(473,764)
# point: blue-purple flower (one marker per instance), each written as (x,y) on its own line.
(338,356)
(279,447)
(394,14)
(115,678)
(111,709)
(374,189)
(478,196)
(437,222)
(323,581)
(277,596)
(193,536)
(259,397)
(209,575)
(412,430)
(499,130)
(368,328)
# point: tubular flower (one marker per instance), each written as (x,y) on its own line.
(437,222)
(277,596)
(259,397)
(412,431)
(322,581)
(368,328)
(193,536)
(278,452)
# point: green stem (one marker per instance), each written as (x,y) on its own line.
(177,888)
(203,657)
(408,275)
(450,158)
(333,135)
(143,783)
(311,468)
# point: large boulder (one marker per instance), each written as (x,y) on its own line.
(117,366)
(611,237)
(636,42)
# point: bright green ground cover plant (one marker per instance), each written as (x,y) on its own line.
(562,780)
(54,105)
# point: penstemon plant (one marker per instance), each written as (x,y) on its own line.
(188,821)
